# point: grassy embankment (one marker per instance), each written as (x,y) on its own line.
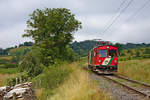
(136,69)
(69,82)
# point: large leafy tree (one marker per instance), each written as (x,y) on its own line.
(52,30)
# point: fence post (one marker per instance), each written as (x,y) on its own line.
(16,81)
(40,83)
(14,96)
(20,79)
(29,78)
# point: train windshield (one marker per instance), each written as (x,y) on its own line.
(112,53)
(102,53)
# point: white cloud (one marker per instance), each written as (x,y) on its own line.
(94,15)
(12,36)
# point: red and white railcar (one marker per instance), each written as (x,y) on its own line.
(103,58)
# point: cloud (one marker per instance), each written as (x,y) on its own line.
(94,16)
(12,36)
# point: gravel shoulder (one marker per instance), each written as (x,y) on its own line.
(116,91)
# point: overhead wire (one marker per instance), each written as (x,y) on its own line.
(118,10)
(138,10)
(122,11)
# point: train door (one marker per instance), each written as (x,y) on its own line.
(112,53)
(94,56)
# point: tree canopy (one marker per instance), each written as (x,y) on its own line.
(53,27)
(52,30)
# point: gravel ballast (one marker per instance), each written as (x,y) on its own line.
(116,91)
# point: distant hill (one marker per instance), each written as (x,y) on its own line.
(82,48)
(16,49)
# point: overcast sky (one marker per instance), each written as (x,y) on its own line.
(95,15)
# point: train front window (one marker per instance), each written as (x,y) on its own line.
(102,53)
(112,53)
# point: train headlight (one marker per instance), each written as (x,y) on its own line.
(99,60)
(115,61)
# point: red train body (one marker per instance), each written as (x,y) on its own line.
(103,58)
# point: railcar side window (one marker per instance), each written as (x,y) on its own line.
(112,53)
(102,53)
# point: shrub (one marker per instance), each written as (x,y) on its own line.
(31,63)
(10,81)
(52,77)
(20,78)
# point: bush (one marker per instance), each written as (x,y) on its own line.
(31,63)
(20,78)
(11,81)
(52,77)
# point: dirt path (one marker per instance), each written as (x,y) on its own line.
(117,92)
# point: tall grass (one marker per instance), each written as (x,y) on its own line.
(79,87)
(51,78)
(3,77)
(136,69)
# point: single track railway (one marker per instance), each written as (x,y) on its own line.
(133,89)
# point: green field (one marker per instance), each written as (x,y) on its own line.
(136,69)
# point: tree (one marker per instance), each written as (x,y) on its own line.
(137,53)
(120,47)
(52,30)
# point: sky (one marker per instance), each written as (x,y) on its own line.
(126,25)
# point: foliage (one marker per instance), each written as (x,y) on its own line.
(31,63)
(4,52)
(71,82)
(139,53)
(52,30)
(120,47)
(8,65)
(82,48)
(52,77)
(11,81)
(79,87)
(4,61)
(18,53)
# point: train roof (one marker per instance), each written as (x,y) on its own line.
(105,45)
(102,46)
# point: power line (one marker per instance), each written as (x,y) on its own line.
(142,7)
(122,11)
(118,9)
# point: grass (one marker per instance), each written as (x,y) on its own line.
(3,77)
(79,87)
(68,82)
(6,57)
(6,73)
(8,70)
(136,69)
(51,78)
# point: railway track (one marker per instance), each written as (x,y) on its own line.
(136,87)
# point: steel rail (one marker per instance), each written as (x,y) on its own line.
(133,81)
(129,88)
